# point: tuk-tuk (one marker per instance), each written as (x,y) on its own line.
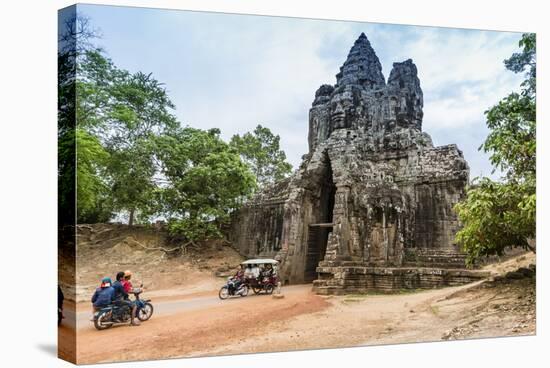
(266,278)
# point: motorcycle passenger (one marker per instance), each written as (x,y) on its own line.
(103,296)
(248,273)
(256,271)
(128,288)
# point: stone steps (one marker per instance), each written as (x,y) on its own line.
(439,258)
(344,280)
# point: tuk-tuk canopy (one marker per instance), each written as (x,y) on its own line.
(259,261)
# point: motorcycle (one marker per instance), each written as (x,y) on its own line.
(117,314)
(232,288)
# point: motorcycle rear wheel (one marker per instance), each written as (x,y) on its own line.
(100,322)
(245,291)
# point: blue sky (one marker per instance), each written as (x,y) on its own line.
(236,71)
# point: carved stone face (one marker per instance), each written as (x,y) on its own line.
(342,110)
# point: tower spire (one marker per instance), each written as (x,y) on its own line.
(362,66)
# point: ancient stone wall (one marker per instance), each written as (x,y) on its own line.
(256,229)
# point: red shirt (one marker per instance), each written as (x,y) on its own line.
(127,285)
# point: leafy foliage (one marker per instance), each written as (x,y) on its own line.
(497,215)
(261,151)
(512,139)
(526,61)
(206,181)
(124,111)
(90,188)
(119,138)
(75,29)
(130,175)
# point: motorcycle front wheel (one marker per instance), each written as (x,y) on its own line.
(102,321)
(224,293)
(145,312)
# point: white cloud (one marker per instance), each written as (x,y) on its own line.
(234,72)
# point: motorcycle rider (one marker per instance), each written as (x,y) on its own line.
(122,298)
(238,277)
(120,294)
(240,273)
(103,296)
(128,288)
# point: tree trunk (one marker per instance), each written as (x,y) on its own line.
(131,219)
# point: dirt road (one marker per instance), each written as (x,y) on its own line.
(189,320)
(163,308)
(183,327)
(204,325)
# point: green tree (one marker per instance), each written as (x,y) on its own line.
(261,151)
(91,190)
(129,154)
(205,181)
(139,111)
(498,215)
(130,176)
(124,111)
(75,41)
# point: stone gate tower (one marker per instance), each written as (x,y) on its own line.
(371,205)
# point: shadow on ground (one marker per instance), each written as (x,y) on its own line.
(50,349)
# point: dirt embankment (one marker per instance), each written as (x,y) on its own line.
(105,249)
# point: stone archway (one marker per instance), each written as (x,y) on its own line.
(318,231)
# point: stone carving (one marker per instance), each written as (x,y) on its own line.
(372,193)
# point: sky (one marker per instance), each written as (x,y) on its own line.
(234,72)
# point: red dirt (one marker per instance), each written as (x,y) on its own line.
(186,333)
